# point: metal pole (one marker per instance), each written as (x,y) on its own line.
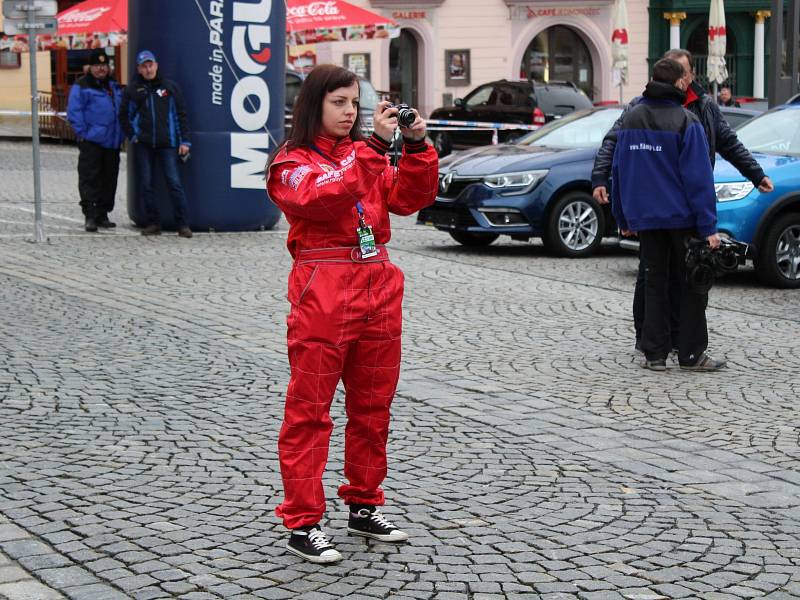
(37,184)
(620,93)
(716,92)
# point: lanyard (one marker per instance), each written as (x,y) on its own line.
(359,206)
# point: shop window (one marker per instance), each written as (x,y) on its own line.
(10,60)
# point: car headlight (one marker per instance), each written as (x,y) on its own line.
(735,190)
(515,183)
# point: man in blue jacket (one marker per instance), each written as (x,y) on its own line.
(663,189)
(92,110)
(153,115)
(721,138)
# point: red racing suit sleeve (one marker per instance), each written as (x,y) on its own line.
(413,185)
(301,188)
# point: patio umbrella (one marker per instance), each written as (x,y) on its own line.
(310,22)
(94,24)
(619,45)
(717,40)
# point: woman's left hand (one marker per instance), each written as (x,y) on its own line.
(417,130)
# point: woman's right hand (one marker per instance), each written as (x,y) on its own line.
(385,120)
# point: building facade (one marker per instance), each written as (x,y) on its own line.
(684,23)
(448,47)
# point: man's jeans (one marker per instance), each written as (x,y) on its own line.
(167,159)
(663,252)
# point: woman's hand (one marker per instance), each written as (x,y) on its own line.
(417,131)
(384,122)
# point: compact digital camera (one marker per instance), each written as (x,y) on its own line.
(704,263)
(405,116)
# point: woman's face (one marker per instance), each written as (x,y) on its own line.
(339,110)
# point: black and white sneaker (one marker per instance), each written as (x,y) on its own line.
(312,544)
(368,521)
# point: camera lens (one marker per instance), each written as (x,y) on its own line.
(406,117)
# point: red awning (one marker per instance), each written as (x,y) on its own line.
(333,20)
(94,16)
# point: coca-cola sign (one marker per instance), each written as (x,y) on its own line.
(83,16)
(314,9)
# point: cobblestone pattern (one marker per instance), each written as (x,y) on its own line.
(141,391)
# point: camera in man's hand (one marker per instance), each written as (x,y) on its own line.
(704,263)
(405,116)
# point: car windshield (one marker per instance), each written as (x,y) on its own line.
(368,97)
(582,129)
(773,133)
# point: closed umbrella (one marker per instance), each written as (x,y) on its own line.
(619,45)
(717,41)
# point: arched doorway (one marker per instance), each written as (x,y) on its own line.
(403,68)
(559,54)
(697,44)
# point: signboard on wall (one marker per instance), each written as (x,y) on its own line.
(528,12)
(358,63)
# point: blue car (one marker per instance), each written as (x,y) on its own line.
(537,187)
(770,223)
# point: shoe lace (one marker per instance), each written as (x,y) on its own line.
(376,516)
(318,539)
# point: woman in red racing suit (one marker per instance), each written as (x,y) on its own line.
(336,190)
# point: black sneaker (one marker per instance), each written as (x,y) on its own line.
(312,544)
(105,223)
(151,230)
(185,232)
(705,363)
(368,521)
(90,224)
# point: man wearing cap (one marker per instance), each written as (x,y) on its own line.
(92,110)
(153,115)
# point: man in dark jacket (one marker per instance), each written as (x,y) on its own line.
(721,138)
(153,115)
(663,189)
(92,109)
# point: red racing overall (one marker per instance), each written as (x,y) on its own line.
(345,320)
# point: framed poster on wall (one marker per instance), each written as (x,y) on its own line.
(358,63)
(456,64)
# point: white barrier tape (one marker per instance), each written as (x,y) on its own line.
(482,124)
(22,113)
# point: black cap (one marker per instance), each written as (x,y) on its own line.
(98,57)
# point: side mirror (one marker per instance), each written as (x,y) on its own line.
(459,102)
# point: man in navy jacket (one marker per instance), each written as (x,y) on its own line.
(663,189)
(92,110)
(153,115)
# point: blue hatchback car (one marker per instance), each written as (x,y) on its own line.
(770,223)
(538,186)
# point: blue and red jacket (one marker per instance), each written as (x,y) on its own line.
(661,172)
(154,113)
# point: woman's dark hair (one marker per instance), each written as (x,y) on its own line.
(668,71)
(307,111)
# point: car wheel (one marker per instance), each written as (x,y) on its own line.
(473,239)
(778,261)
(442,143)
(575,226)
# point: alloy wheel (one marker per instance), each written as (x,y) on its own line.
(787,252)
(578,225)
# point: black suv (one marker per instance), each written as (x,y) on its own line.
(526,102)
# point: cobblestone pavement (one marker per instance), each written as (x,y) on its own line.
(141,391)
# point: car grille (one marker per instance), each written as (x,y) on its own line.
(457,217)
(457,185)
